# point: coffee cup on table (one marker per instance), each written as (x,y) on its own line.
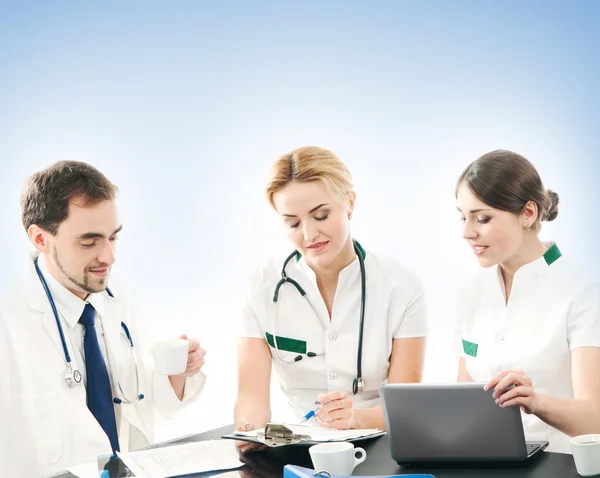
(336,458)
(586,453)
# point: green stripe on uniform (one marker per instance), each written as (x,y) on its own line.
(470,348)
(286,344)
(552,254)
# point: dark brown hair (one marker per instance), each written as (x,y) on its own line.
(507,181)
(46,194)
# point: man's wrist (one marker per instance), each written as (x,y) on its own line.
(178,385)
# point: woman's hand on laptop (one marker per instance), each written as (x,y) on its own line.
(514,387)
(336,410)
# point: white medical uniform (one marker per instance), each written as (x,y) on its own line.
(395,309)
(551,311)
(46,426)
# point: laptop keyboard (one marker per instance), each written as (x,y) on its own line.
(531,447)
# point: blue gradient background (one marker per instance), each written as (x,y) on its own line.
(184,105)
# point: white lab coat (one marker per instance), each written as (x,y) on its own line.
(395,309)
(46,426)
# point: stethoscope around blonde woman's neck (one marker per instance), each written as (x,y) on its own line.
(358,383)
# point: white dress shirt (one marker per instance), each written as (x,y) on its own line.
(70,307)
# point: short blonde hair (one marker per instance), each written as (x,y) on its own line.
(306,164)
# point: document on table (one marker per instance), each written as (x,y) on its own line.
(184,459)
(317,434)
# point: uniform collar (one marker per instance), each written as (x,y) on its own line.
(552,254)
(546,260)
(539,266)
(344,275)
(68,304)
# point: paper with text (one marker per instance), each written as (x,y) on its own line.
(187,458)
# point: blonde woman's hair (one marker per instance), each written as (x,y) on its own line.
(306,164)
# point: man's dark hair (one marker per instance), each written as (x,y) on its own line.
(46,194)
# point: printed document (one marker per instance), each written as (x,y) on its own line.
(183,459)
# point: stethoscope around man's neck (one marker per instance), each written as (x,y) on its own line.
(358,383)
(73,376)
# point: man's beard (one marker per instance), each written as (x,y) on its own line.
(85,285)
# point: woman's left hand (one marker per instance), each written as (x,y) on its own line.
(336,410)
(513,387)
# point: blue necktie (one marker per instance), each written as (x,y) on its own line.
(99,394)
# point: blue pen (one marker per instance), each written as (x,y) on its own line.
(311,414)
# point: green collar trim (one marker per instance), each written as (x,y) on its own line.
(552,254)
(363,253)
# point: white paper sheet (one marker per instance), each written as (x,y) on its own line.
(321,434)
(85,470)
(187,458)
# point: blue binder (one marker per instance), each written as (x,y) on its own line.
(292,471)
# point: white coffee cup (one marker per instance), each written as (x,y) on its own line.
(170,356)
(337,458)
(586,453)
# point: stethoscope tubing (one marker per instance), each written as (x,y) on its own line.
(358,383)
(75,375)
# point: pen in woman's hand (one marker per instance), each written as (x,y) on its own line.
(311,413)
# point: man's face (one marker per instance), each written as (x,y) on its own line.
(82,252)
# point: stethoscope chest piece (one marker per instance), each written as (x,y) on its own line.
(72,377)
(358,386)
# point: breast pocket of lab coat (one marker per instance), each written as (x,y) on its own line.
(46,427)
(305,373)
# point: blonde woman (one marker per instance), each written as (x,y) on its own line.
(529,319)
(334,320)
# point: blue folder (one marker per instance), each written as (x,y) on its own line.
(292,471)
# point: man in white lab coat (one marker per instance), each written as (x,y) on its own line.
(76,379)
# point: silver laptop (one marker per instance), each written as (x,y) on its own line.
(453,422)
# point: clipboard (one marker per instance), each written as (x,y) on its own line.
(277,434)
(293,471)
